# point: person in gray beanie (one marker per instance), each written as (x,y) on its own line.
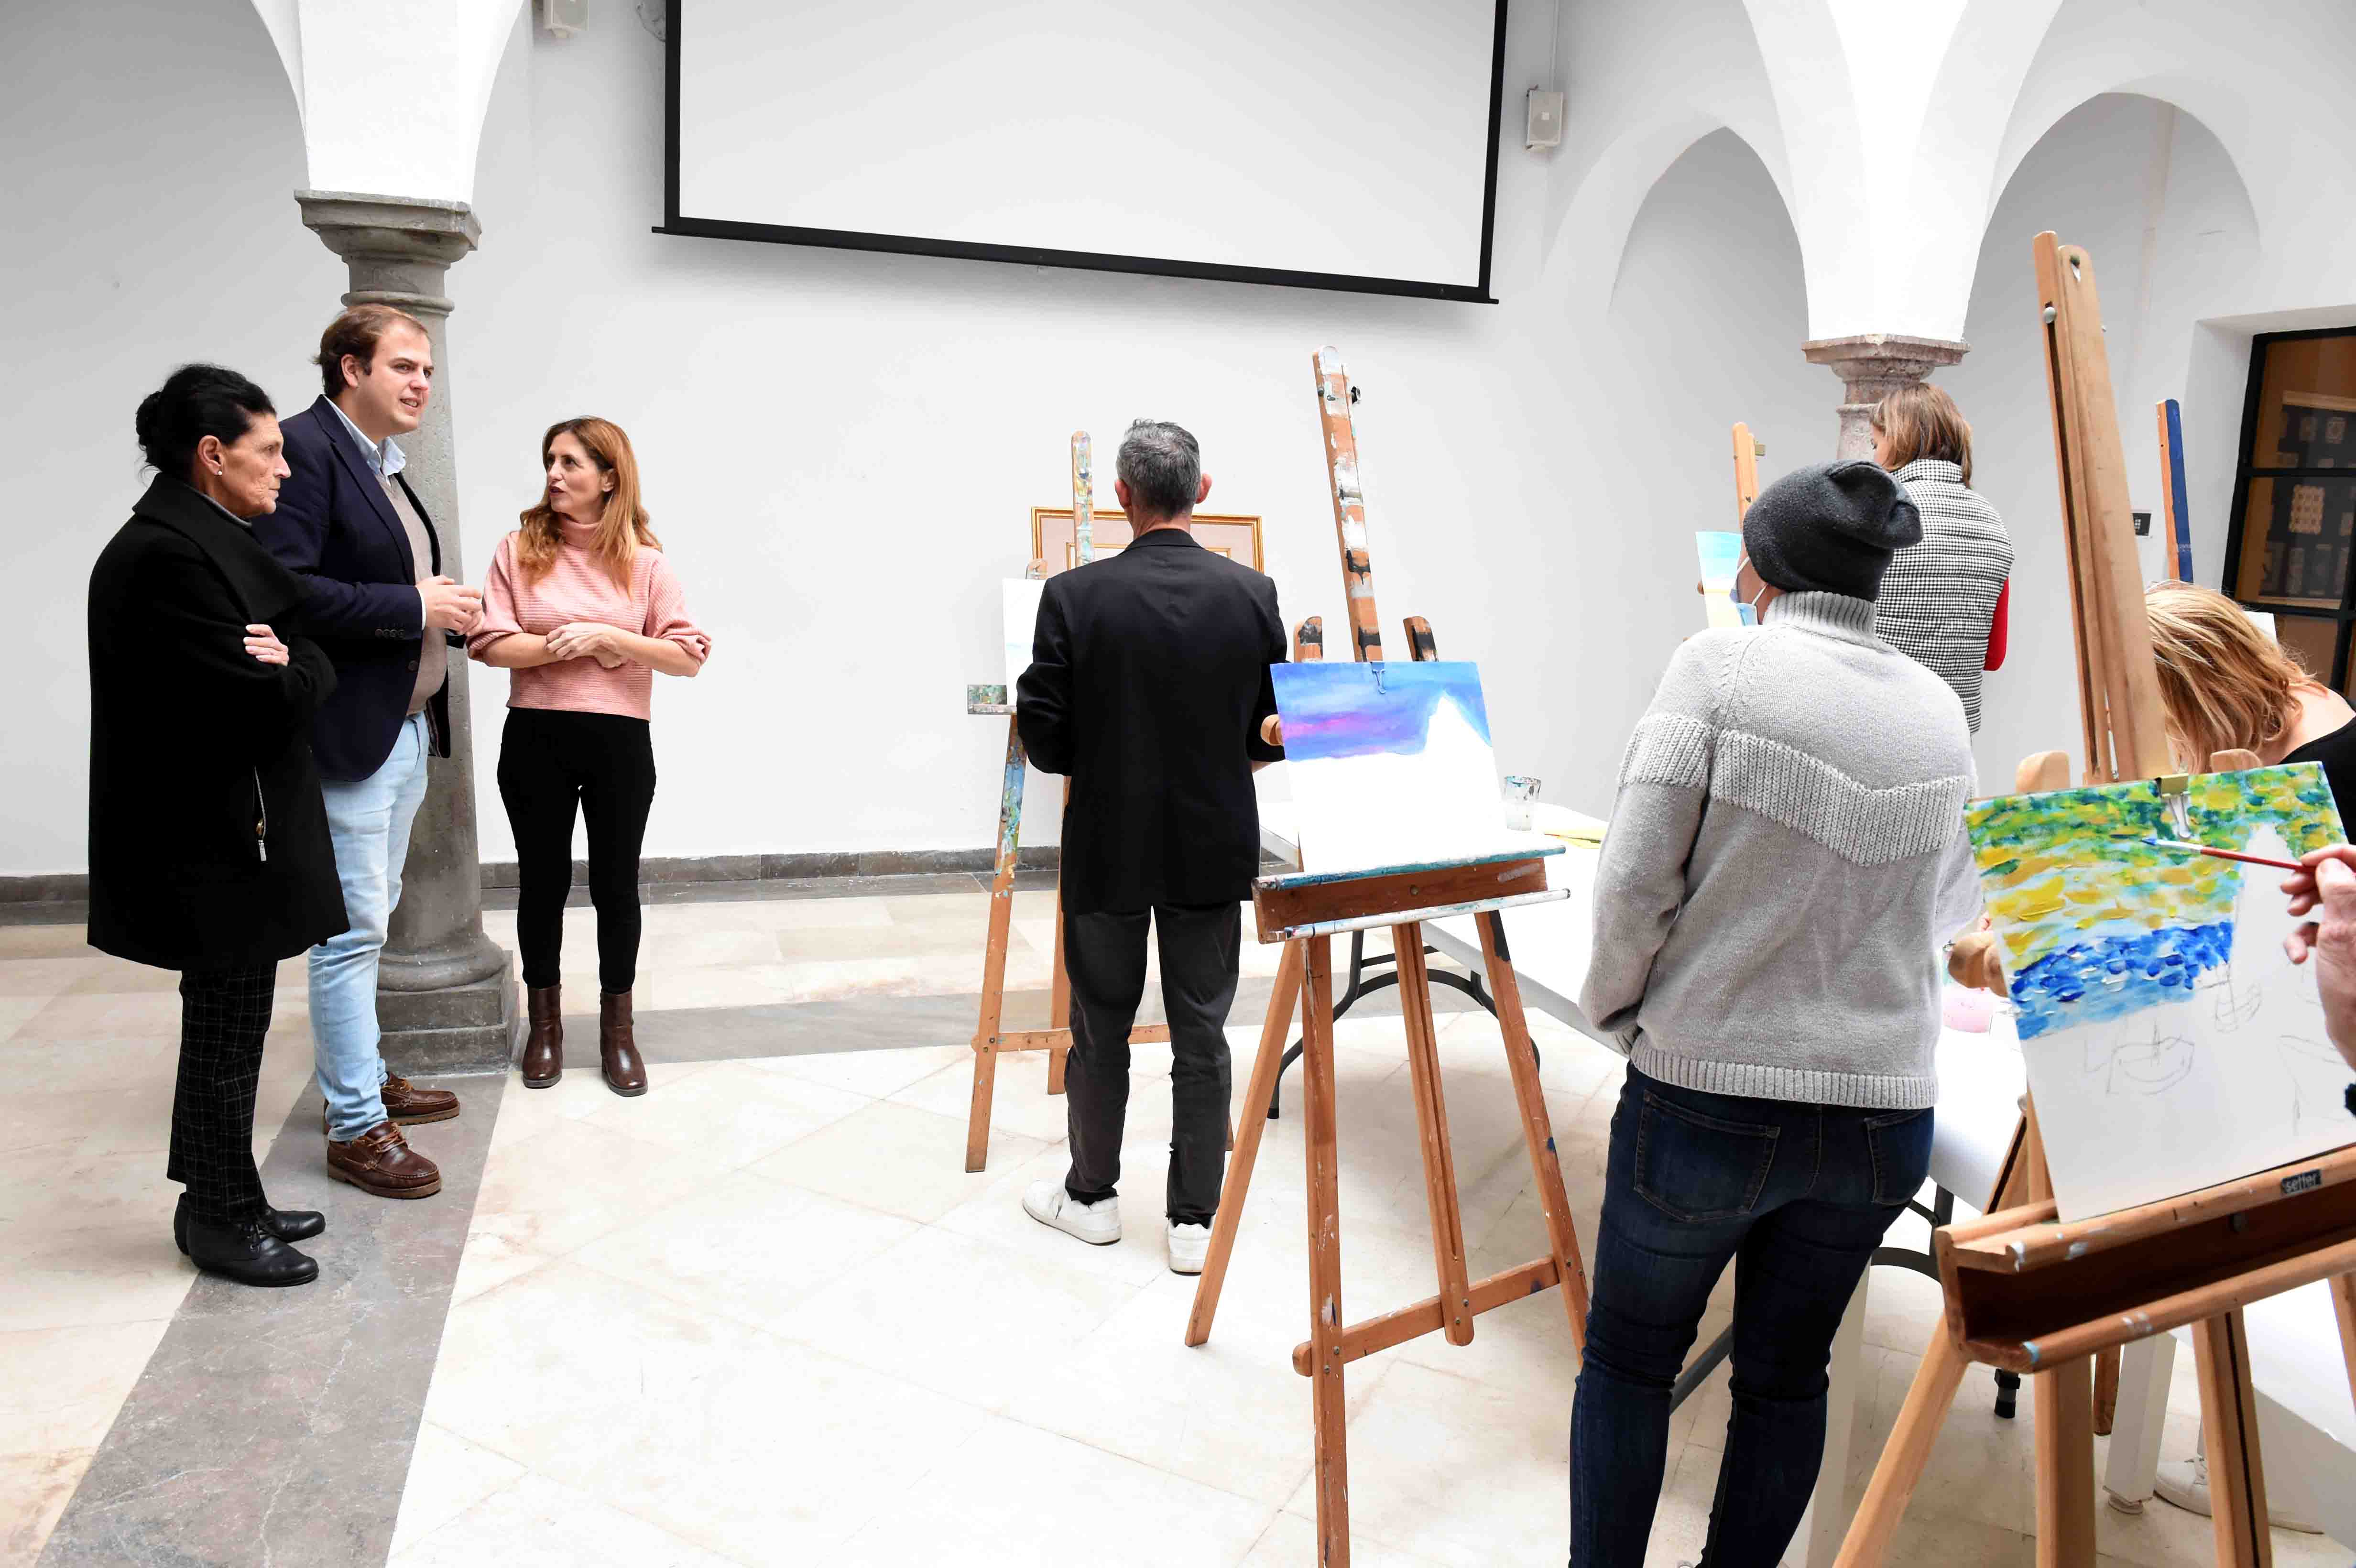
(1785,859)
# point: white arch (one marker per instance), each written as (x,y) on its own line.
(1649,85)
(392,105)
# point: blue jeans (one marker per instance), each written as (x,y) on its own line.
(1798,1196)
(369,820)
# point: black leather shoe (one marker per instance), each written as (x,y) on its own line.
(287,1225)
(247,1254)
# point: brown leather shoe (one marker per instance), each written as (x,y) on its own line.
(617,1045)
(407,1104)
(543,1048)
(381,1161)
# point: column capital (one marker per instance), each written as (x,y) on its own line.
(397,247)
(1872,366)
(1875,363)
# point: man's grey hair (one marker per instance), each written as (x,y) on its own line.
(1162,466)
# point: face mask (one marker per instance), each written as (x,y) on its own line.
(1748,612)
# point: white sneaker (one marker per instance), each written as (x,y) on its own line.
(1099,1224)
(2185,1483)
(1188,1246)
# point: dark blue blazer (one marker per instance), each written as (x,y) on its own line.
(335,529)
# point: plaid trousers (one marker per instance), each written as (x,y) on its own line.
(224,1013)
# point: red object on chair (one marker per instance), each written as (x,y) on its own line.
(1996,626)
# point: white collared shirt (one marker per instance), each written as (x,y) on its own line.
(386,460)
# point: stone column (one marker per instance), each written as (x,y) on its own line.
(1872,366)
(446,996)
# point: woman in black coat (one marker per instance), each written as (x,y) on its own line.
(208,847)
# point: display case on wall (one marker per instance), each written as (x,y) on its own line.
(2291,545)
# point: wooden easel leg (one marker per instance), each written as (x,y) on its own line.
(2065,1413)
(2343,1303)
(2229,1412)
(2106,1391)
(1903,1457)
(1537,1127)
(1931,1394)
(1265,1066)
(1431,1121)
(993,963)
(2065,1465)
(1332,1472)
(1059,986)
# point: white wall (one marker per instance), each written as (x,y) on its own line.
(2104,175)
(141,243)
(840,450)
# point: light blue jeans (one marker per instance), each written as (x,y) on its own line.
(369,820)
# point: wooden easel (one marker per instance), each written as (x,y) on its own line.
(989,1038)
(2023,1291)
(1305,911)
(1747,454)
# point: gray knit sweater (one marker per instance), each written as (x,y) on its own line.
(1785,858)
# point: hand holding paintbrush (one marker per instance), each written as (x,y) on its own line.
(2325,888)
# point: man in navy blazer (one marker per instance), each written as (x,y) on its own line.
(376,601)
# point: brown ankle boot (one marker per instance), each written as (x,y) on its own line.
(543,1048)
(617,1046)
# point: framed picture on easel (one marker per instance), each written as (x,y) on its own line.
(1054,543)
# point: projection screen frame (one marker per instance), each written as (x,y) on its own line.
(1089,260)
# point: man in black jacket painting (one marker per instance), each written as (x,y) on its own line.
(1148,686)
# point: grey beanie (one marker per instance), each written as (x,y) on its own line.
(1830,528)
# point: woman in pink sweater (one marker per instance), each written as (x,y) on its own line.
(582,607)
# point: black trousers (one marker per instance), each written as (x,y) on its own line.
(1106,956)
(224,1013)
(550,761)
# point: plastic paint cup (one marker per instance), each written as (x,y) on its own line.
(1519,793)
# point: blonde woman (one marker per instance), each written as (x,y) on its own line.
(2225,684)
(581,606)
(1943,602)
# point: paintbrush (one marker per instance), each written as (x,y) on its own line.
(2178,844)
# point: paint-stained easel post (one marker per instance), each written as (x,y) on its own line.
(1334,398)
(1304,913)
(991,1036)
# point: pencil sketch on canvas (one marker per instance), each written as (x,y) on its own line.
(2170,1043)
(1390,763)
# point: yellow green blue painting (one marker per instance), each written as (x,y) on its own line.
(2095,922)
(2170,1042)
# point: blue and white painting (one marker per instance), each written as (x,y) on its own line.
(1390,763)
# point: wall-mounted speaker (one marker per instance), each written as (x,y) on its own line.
(1545,120)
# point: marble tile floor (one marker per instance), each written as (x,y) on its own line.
(762,1315)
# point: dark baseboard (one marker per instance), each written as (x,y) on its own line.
(73,887)
(799,867)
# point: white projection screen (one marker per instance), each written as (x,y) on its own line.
(1297,142)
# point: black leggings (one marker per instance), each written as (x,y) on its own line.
(549,760)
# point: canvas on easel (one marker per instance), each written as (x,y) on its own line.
(2170,1044)
(1390,763)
